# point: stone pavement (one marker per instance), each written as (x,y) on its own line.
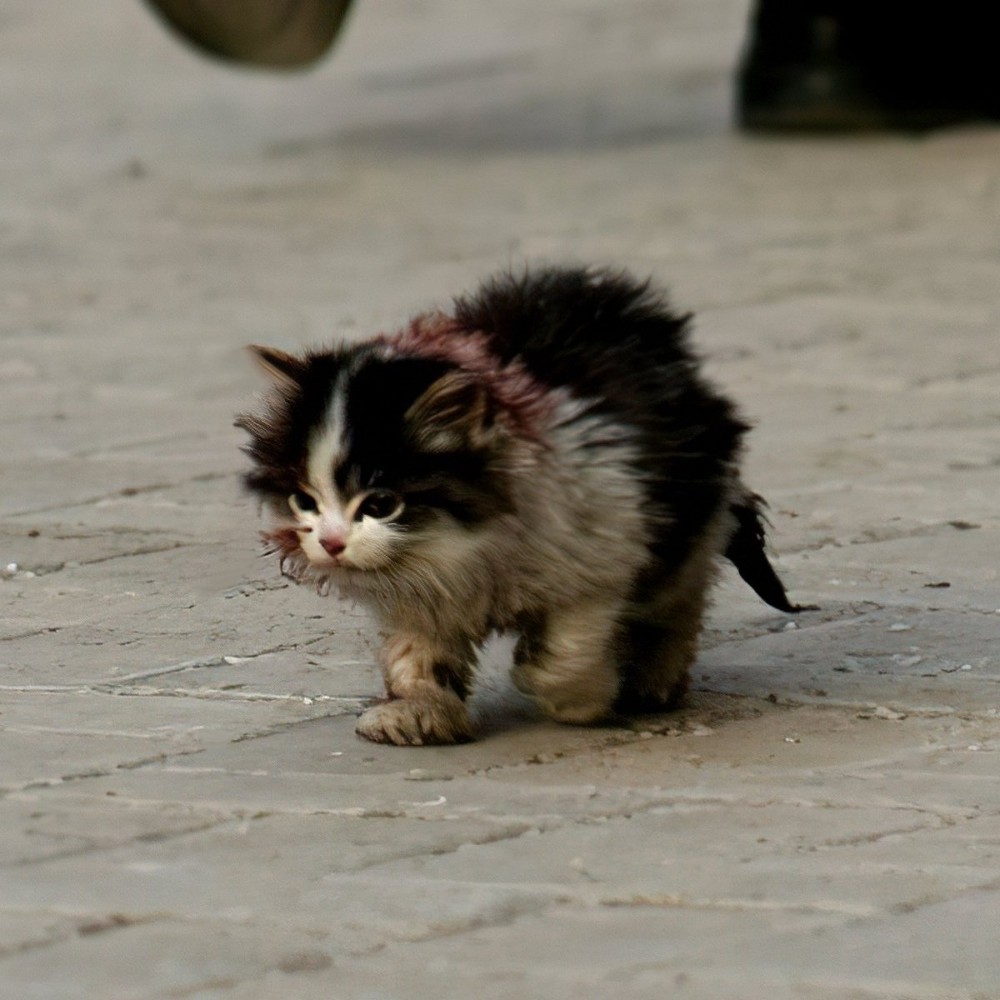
(184,809)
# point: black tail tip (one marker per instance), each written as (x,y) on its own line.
(746,552)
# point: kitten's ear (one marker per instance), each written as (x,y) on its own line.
(455,412)
(279,366)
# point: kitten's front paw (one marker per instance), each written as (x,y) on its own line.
(415,722)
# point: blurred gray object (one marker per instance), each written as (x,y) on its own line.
(281,34)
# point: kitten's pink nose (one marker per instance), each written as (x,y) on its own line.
(333,544)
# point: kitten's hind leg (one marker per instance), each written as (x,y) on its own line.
(656,659)
(659,645)
(564,660)
(426,686)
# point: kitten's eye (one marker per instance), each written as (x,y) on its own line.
(380,505)
(302,503)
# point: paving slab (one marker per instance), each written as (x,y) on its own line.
(185,810)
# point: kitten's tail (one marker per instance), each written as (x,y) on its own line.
(746,552)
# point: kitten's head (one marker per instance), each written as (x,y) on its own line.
(366,457)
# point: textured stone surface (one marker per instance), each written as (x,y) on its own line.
(184,808)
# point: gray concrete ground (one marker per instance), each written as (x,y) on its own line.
(185,809)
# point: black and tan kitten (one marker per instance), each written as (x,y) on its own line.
(543,459)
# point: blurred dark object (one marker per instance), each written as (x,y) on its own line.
(278,34)
(808,65)
(827,65)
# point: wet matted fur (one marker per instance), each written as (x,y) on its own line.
(543,458)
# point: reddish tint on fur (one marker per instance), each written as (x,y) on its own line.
(284,541)
(528,404)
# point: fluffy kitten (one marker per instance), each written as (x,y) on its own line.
(544,458)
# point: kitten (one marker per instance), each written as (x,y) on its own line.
(544,459)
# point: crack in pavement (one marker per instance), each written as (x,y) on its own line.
(125,491)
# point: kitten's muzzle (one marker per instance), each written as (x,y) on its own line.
(334,545)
